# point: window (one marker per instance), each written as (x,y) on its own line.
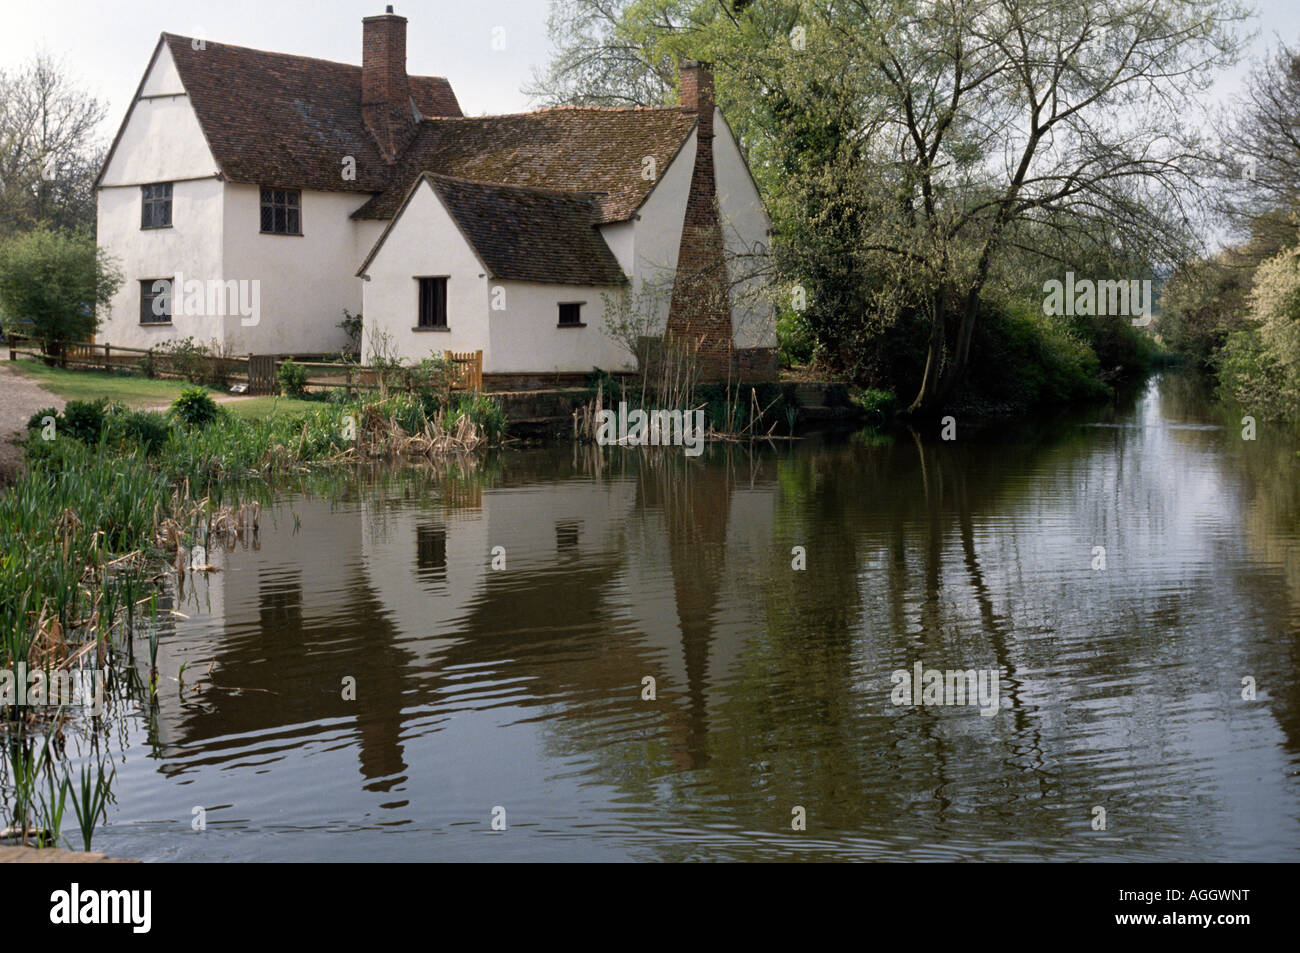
(433,303)
(571,314)
(156,301)
(431,551)
(566,536)
(281,212)
(156,206)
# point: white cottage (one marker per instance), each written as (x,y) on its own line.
(251,197)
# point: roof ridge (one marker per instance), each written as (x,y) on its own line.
(588,193)
(554,109)
(291,56)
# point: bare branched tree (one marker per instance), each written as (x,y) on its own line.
(49,153)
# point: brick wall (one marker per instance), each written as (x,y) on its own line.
(385,90)
(700,311)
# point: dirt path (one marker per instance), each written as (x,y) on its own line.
(20,397)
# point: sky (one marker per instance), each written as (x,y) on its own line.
(106,46)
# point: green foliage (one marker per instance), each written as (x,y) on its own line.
(408,411)
(1202,304)
(56,281)
(1259,366)
(194,407)
(1022,358)
(431,379)
(148,430)
(795,342)
(197,363)
(732,408)
(84,419)
(351,326)
(877,406)
(37,420)
(292,378)
(485,412)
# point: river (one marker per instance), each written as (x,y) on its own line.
(378,690)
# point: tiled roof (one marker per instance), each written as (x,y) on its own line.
(289,121)
(573,148)
(526,234)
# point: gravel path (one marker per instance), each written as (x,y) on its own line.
(20,397)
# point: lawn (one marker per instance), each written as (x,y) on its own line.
(142,392)
(249,407)
(89,385)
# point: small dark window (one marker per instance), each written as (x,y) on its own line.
(566,536)
(431,550)
(281,211)
(433,302)
(156,206)
(571,313)
(156,301)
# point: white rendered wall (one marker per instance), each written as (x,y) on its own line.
(425,242)
(745,226)
(657,236)
(657,231)
(526,336)
(160,142)
(306,280)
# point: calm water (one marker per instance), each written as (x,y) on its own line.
(522,688)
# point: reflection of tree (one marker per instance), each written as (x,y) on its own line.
(774,683)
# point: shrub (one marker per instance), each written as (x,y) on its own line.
(84,419)
(147,429)
(56,281)
(1022,358)
(185,358)
(877,405)
(432,379)
(292,378)
(194,407)
(37,420)
(794,341)
(351,325)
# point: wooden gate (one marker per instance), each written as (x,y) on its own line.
(469,370)
(261,374)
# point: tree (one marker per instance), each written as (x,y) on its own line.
(48,152)
(1260,155)
(911,150)
(57,282)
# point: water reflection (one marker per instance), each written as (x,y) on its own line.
(522,686)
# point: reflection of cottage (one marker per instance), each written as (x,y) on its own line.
(500,233)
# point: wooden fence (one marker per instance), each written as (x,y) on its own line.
(259,372)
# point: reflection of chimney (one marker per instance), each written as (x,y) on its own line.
(700,313)
(385,92)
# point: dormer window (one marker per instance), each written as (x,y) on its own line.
(156,205)
(281,212)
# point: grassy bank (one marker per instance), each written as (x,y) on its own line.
(113,503)
(91,385)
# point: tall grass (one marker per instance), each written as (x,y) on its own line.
(100,509)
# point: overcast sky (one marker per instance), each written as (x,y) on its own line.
(106,46)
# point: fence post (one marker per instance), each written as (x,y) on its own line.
(108,363)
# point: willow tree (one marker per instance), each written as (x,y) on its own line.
(911,150)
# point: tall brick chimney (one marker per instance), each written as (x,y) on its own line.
(700,312)
(386,104)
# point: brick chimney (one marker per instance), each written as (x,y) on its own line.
(386,104)
(700,312)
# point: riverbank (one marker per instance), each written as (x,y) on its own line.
(56,855)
